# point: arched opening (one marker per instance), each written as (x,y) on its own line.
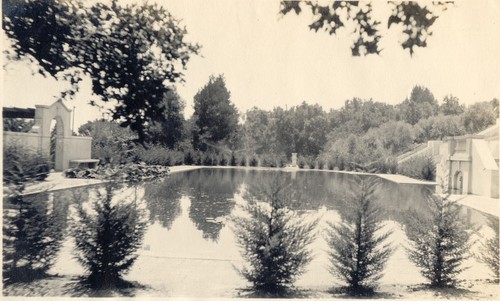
(458,183)
(56,143)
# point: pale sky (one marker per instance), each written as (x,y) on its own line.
(269,60)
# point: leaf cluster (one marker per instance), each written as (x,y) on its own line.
(415,18)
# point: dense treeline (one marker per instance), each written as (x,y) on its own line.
(361,133)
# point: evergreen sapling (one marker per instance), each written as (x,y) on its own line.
(107,237)
(274,241)
(439,244)
(358,249)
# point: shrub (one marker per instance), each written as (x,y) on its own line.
(301,162)
(207,159)
(22,165)
(222,160)
(420,167)
(357,253)
(107,237)
(131,172)
(274,240)
(189,158)
(199,159)
(273,160)
(234,160)
(254,161)
(160,155)
(341,163)
(282,160)
(490,249)
(320,163)
(311,162)
(330,165)
(243,161)
(439,243)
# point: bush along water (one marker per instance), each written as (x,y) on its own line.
(22,165)
(490,249)
(107,235)
(439,242)
(274,240)
(127,172)
(357,253)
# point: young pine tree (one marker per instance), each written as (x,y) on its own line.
(440,243)
(490,249)
(358,251)
(273,239)
(107,238)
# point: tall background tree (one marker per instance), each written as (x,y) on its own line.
(132,53)
(169,130)
(215,116)
(420,105)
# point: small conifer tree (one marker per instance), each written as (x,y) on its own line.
(490,249)
(274,240)
(358,251)
(107,237)
(439,244)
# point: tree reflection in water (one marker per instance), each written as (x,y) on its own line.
(33,228)
(162,199)
(211,192)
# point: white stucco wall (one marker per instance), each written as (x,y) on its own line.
(76,148)
(29,140)
(484,170)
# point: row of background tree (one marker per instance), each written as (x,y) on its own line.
(361,131)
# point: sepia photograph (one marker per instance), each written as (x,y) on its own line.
(253,149)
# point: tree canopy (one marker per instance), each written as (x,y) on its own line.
(216,117)
(133,54)
(416,20)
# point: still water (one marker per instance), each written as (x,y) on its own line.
(189,231)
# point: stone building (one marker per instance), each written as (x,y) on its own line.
(469,164)
(69,149)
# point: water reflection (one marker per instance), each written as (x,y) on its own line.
(162,200)
(189,211)
(33,229)
(212,198)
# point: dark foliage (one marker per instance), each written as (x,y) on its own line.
(22,165)
(439,243)
(358,252)
(110,43)
(273,239)
(421,167)
(168,131)
(33,229)
(131,172)
(107,237)
(415,18)
(490,249)
(215,116)
(254,161)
